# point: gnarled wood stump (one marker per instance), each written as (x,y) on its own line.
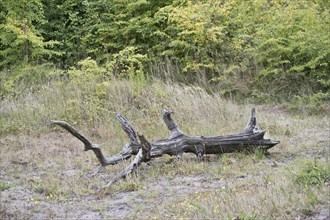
(251,138)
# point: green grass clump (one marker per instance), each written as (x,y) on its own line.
(313,173)
(4,186)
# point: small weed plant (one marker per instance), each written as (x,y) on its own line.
(313,173)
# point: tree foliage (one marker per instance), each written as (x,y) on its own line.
(258,49)
(21,41)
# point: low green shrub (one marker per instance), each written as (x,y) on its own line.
(313,173)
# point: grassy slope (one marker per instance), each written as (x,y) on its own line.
(43,169)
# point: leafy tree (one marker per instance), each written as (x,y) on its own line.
(65,24)
(21,43)
(111,26)
(258,49)
(291,47)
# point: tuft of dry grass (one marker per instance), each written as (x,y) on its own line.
(44,172)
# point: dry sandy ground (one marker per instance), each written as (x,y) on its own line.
(29,165)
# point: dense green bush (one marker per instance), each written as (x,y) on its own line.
(262,51)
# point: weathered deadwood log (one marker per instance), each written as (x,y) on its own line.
(252,138)
(128,150)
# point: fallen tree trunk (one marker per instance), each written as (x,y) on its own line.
(252,138)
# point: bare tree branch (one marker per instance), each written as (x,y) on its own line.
(250,139)
(128,150)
